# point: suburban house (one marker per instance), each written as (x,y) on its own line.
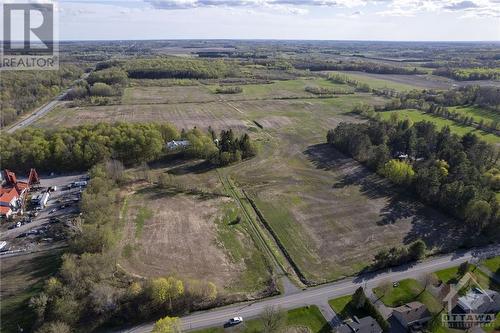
(480,301)
(363,325)
(11,194)
(412,314)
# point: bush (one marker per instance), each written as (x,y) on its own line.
(229,90)
(101,89)
(77,93)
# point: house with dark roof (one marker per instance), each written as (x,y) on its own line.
(363,325)
(412,314)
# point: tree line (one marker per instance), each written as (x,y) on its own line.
(456,174)
(344,79)
(80,148)
(368,67)
(468,74)
(22,91)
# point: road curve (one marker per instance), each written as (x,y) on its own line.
(316,295)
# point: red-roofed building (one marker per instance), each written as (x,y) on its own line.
(12,194)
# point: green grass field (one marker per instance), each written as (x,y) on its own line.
(409,290)
(476,112)
(415,116)
(493,264)
(308,316)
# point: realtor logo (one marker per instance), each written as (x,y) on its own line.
(29,36)
(469,305)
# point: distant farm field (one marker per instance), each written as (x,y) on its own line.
(184,115)
(415,115)
(400,82)
(477,113)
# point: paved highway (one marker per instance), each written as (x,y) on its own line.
(317,295)
(43,110)
(37,114)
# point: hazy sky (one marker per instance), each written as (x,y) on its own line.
(281,19)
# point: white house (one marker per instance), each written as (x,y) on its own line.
(174,145)
(480,301)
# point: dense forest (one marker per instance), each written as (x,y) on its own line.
(457,174)
(80,148)
(22,91)
(176,68)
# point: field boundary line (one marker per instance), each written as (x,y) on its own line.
(287,255)
(295,273)
(261,238)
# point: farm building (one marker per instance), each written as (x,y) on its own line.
(13,192)
(173,145)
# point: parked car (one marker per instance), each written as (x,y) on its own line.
(235,321)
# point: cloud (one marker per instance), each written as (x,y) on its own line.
(476,8)
(188,4)
(461,5)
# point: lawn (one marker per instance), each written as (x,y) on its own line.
(493,264)
(450,275)
(22,277)
(416,115)
(308,316)
(408,290)
(343,308)
(495,327)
